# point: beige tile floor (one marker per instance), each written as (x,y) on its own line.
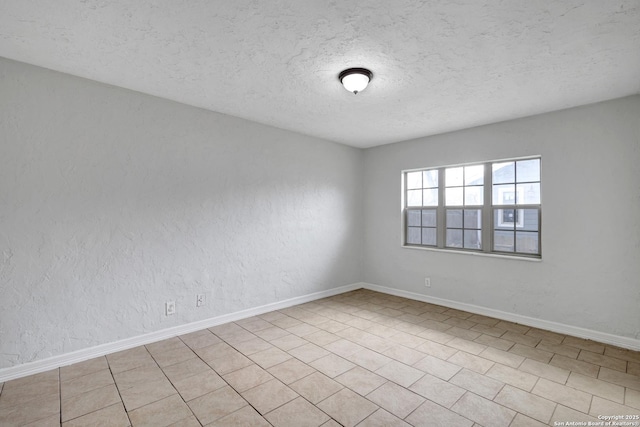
(361,358)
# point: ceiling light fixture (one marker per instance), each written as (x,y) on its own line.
(355,79)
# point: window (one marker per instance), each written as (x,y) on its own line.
(516,206)
(422,190)
(491,207)
(464,187)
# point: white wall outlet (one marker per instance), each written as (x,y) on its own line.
(170,308)
(427,282)
(201,300)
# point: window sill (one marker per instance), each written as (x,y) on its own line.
(480,254)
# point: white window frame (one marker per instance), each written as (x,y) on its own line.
(487,213)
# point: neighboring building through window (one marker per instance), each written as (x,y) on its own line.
(491,207)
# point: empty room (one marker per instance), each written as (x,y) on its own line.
(309,213)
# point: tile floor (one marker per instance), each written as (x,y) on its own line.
(360,358)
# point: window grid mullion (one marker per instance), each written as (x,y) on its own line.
(487,214)
(405,230)
(515,188)
(440,215)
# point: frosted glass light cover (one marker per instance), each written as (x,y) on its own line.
(355,82)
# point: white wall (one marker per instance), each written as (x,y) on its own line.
(113,202)
(589,275)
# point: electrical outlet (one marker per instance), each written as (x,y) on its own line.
(427,282)
(201,299)
(170,308)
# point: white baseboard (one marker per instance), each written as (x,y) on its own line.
(38,366)
(54,362)
(603,337)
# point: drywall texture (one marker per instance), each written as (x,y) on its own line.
(437,65)
(590,270)
(113,202)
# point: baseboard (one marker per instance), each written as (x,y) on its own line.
(54,362)
(624,342)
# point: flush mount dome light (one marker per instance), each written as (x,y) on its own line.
(355,79)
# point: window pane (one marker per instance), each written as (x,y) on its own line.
(503,241)
(506,219)
(429,218)
(528,194)
(414,198)
(414,180)
(473,196)
(503,172)
(429,236)
(528,170)
(504,194)
(474,175)
(430,197)
(530,219)
(453,196)
(453,177)
(473,239)
(454,238)
(430,178)
(454,218)
(413,218)
(472,218)
(527,242)
(413,235)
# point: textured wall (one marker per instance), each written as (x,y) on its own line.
(589,274)
(113,202)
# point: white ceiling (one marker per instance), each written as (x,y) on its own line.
(438,65)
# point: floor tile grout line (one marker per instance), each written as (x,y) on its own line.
(591,404)
(315,370)
(436,403)
(365,397)
(150,403)
(221,377)
(396,334)
(534,387)
(118,390)
(197,356)
(171,382)
(533,394)
(530,328)
(95,410)
(266,370)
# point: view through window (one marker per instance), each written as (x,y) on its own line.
(492,207)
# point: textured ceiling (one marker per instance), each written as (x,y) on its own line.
(438,65)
